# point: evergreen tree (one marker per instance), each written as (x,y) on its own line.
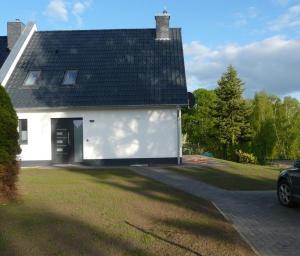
(9,147)
(232,113)
(223,122)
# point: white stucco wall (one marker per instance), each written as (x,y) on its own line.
(115,133)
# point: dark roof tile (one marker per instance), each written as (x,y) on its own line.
(116,68)
(3,49)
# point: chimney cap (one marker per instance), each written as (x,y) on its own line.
(164,13)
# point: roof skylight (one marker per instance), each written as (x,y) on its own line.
(70,77)
(32,77)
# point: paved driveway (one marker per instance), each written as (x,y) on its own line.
(269,228)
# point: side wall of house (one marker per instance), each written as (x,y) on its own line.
(114,134)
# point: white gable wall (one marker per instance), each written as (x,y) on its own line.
(115,133)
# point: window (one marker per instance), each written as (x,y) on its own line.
(32,78)
(23,138)
(70,77)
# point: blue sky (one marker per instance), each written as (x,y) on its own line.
(259,37)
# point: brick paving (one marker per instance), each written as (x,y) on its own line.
(272,230)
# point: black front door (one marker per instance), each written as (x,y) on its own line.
(63,148)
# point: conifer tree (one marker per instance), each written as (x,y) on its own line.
(9,147)
(232,113)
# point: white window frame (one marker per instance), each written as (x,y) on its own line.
(65,80)
(35,79)
(23,133)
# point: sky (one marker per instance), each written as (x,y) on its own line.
(260,38)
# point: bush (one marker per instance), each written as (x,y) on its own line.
(8,177)
(9,147)
(246,158)
(191,149)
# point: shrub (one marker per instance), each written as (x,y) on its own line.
(9,147)
(246,158)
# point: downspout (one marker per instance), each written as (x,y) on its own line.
(179,148)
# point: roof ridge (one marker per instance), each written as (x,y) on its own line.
(92,30)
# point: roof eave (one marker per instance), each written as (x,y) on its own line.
(100,107)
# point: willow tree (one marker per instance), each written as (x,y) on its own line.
(263,123)
(287,129)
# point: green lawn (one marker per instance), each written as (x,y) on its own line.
(110,212)
(233,176)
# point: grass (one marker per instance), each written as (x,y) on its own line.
(110,212)
(233,176)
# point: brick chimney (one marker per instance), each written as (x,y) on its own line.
(162,26)
(14,30)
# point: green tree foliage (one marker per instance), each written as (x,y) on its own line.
(232,114)
(226,124)
(287,130)
(9,147)
(262,121)
(198,122)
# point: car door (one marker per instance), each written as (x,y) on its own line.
(295,177)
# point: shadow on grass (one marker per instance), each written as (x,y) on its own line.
(227,179)
(163,239)
(26,231)
(160,192)
(151,189)
(216,230)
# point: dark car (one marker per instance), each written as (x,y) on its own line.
(288,186)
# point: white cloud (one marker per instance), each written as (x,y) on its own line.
(271,65)
(57,10)
(243,18)
(79,7)
(290,19)
(294,95)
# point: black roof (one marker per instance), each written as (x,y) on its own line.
(3,49)
(115,68)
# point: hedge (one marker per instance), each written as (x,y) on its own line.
(9,147)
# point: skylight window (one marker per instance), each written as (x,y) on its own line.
(70,77)
(32,78)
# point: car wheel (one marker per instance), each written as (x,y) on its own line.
(284,193)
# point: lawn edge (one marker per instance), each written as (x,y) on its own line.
(210,184)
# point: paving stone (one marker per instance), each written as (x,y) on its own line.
(271,229)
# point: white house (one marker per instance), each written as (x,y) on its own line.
(96,96)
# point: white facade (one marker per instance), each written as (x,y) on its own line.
(109,134)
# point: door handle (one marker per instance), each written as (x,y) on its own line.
(68,138)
